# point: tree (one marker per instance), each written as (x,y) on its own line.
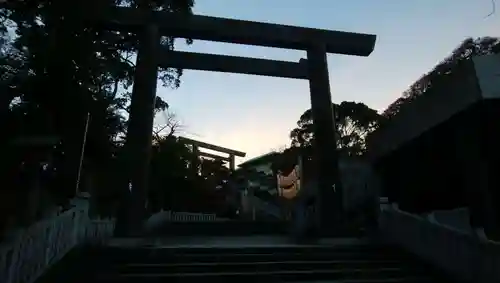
(41,96)
(89,77)
(170,126)
(353,122)
(169,171)
(175,185)
(468,48)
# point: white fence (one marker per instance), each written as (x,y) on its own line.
(159,218)
(177,216)
(25,257)
(458,252)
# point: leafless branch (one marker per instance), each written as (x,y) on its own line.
(169,126)
(126,57)
(493,9)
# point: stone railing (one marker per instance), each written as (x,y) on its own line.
(26,256)
(265,207)
(454,218)
(459,253)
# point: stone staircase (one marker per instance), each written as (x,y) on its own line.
(359,262)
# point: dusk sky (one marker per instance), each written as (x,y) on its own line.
(255,114)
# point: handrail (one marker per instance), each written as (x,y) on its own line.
(457,252)
(25,257)
(265,207)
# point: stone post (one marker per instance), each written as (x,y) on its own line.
(232,164)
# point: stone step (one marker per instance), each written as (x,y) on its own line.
(250,266)
(203,242)
(235,228)
(247,254)
(227,228)
(418,279)
(353,275)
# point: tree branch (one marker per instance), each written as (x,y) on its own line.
(493,9)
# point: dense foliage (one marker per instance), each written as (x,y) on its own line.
(468,48)
(58,74)
(353,121)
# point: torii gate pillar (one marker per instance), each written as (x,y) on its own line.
(140,131)
(325,150)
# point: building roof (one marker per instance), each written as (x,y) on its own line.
(261,159)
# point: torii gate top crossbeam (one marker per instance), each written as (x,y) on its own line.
(237,31)
(213,147)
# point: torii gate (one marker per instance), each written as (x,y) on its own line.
(231,152)
(151,25)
